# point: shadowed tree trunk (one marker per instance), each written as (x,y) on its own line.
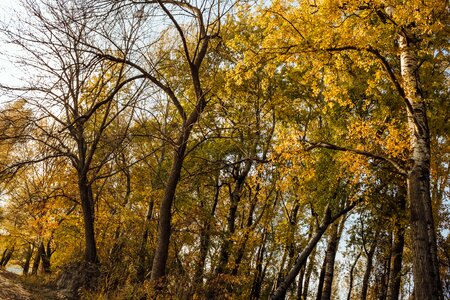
(7,254)
(87,205)
(301,277)
(369,264)
(205,236)
(28,255)
(37,260)
(259,274)
(331,257)
(398,243)
(322,275)
(309,270)
(45,257)
(350,283)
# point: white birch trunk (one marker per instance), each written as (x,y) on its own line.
(423,236)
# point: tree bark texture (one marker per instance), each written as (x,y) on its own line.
(28,255)
(423,235)
(369,265)
(330,258)
(350,281)
(398,242)
(87,205)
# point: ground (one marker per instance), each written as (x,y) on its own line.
(13,287)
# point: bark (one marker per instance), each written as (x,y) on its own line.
(396,263)
(165,214)
(3,257)
(322,277)
(423,235)
(330,259)
(309,270)
(350,284)
(369,265)
(87,205)
(28,255)
(45,258)
(7,254)
(300,282)
(165,210)
(37,260)
(259,275)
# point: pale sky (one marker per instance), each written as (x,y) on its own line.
(8,74)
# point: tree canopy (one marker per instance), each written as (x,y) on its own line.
(228,149)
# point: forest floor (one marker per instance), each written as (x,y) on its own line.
(13,287)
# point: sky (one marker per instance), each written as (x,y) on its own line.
(8,73)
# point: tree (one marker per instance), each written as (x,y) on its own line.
(75,104)
(194,35)
(413,33)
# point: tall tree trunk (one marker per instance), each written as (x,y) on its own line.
(37,260)
(322,276)
(45,258)
(205,236)
(308,273)
(331,257)
(423,236)
(369,264)
(301,277)
(398,243)
(87,205)
(350,283)
(7,254)
(28,255)
(165,213)
(259,276)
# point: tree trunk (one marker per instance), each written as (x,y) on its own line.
(423,235)
(300,282)
(322,276)
(235,198)
(7,254)
(396,263)
(37,260)
(142,254)
(350,284)
(369,264)
(259,276)
(205,237)
(28,255)
(165,214)
(331,257)
(44,258)
(308,273)
(87,205)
